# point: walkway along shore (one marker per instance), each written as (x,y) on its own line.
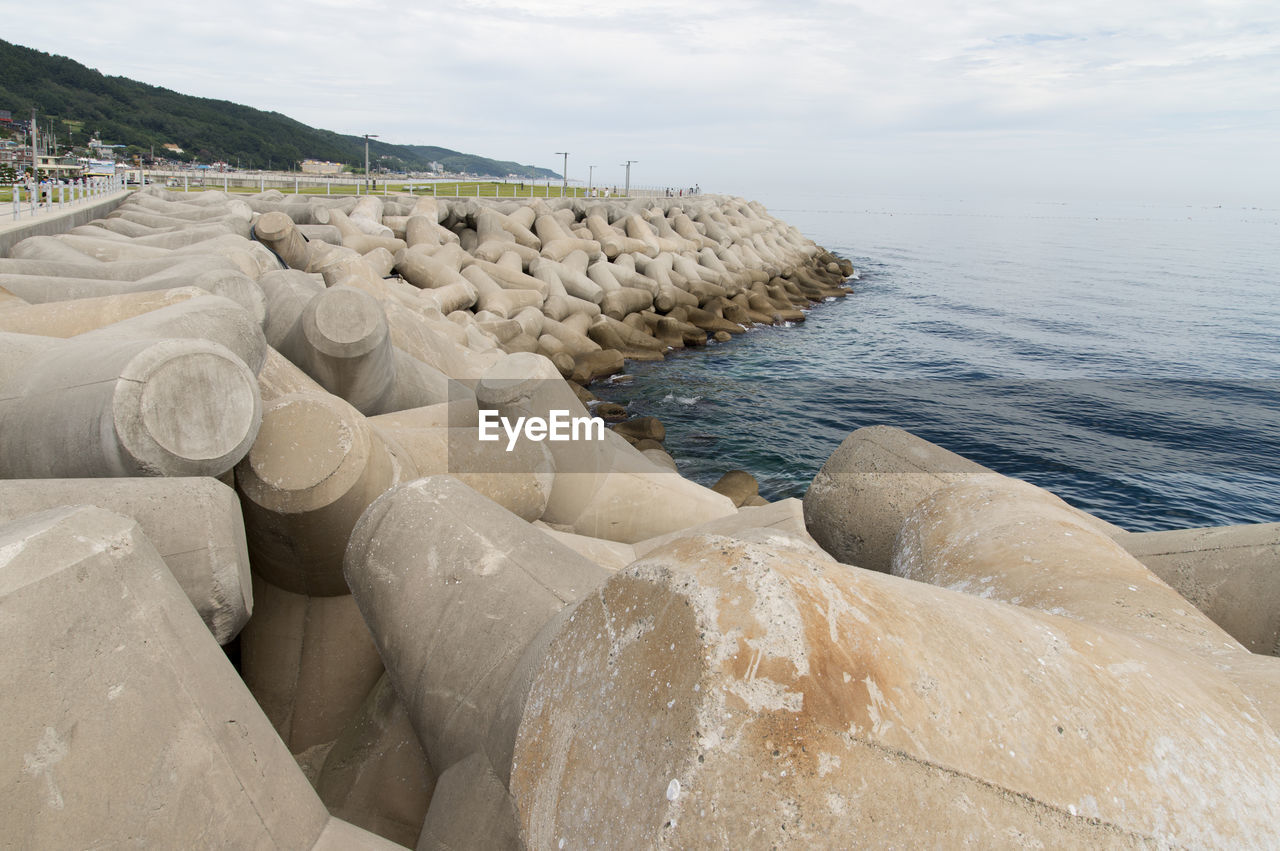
(309,540)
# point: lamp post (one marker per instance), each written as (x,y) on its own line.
(590,183)
(35,156)
(367,137)
(564,177)
(627,191)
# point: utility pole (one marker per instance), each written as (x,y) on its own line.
(564,178)
(628,163)
(35,159)
(367,137)
(590,172)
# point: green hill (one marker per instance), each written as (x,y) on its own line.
(82,102)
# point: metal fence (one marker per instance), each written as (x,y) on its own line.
(52,196)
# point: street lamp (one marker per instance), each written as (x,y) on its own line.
(627,191)
(590,185)
(564,177)
(367,137)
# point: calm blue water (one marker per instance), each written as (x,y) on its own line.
(1125,357)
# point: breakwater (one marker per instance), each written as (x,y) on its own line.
(262,422)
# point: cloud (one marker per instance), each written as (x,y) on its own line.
(723,91)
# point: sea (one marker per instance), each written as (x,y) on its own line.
(1124,356)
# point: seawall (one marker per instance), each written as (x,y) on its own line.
(55,221)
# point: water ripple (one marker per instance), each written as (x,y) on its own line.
(1127,359)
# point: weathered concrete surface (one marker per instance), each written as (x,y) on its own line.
(309,662)
(193,523)
(471,809)
(611,555)
(856,504)
(315,466)
(122,720)
(339,835)
(11,232)
(729,693)
(602,488)
(456,590)
(858,500)
(69,318)
(444,438)
(89,408)
(279,233)
(376,775)
(206,275)
(784,518)
(1231,573)
(1009,540)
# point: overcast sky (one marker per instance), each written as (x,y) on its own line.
(1119,99)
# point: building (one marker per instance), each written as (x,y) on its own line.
(60,168)
(321,167)
(98,168)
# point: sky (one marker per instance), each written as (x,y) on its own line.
(1140,100)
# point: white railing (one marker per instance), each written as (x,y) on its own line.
(53,196)
(455,186)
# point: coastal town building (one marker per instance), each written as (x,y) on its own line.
(320,167)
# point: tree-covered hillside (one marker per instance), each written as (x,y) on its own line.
(82,102)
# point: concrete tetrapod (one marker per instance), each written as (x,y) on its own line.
(87,268)
(729,693)
(309,662)
(376,776)
(1009,540)
(315,466)
(456,591)
(784,519)
(116,407)
(279,233)
(206,317)
(1231,573)
(859,499)
(470,809)
(69,318)
(445,439)
(124,723)
(193,523)
(602,488)
(342,340)
(65,282)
